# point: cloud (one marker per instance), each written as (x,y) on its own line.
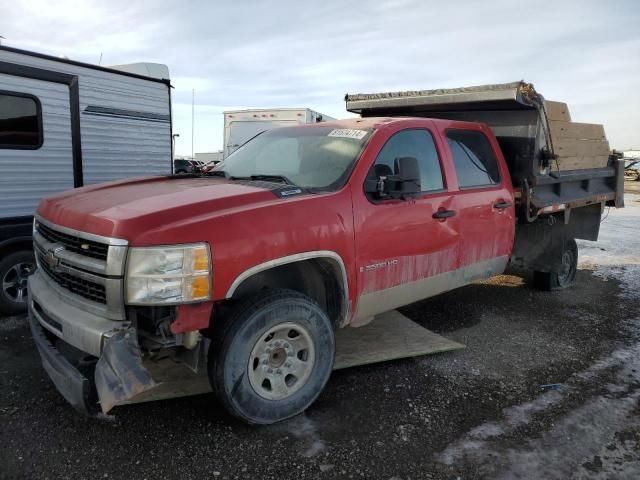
(303,54)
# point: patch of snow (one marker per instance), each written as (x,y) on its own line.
(582,433)
(616,254)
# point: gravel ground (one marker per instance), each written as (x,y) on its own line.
(548,387)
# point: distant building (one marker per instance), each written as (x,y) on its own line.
(633,153)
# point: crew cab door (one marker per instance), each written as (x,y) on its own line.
(484,202)
(403,253)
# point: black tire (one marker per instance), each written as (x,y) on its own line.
(548,281)
(14,269)
(236,338)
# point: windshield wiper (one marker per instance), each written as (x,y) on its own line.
(267,177)
(214,173)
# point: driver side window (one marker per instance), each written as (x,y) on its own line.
(416,143)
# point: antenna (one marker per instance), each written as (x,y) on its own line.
(100,61)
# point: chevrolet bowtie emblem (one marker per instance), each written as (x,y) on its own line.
(52,260)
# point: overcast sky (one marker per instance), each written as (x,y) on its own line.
(309,54)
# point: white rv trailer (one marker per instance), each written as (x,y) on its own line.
(242,125)
(65,124)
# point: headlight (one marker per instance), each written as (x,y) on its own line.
(168,275)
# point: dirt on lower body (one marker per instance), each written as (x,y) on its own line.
(546,388)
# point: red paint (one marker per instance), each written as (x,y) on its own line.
(192,316)
(247,226)
(406,231)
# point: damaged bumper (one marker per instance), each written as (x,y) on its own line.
(72,384)
(117,376)
(95,363)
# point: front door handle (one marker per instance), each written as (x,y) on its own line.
(502,204)
(443,214)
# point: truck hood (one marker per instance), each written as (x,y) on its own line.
(121,209)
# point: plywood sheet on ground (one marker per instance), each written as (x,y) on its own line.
(389,336)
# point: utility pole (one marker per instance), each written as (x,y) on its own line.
(193,117)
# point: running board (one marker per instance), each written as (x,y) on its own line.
(390,336)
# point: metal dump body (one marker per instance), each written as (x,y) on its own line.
(521,120)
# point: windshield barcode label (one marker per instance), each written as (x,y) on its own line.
(347,133)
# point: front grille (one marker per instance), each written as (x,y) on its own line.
(79,286)
(88,248)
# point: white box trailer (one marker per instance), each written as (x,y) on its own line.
(65,124)
(242,125)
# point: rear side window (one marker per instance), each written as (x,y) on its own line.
(475,162)
(20,121)
(411,143)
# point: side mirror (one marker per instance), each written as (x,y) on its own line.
(408,182)
(405,183)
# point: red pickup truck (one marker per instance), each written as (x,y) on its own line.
(303,230)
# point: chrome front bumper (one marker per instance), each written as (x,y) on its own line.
(82,329)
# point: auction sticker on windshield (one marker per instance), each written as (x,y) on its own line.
(347,133)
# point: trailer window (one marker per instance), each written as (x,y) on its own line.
(475,162)
(20,121)
(416,143)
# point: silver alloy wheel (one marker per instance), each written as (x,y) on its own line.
(281,361)
(14,283)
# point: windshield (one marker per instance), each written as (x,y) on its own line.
(316,158)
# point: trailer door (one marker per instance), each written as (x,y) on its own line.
(36,155)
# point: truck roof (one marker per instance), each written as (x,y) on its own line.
(378,122)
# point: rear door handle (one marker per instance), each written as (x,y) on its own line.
(442,214)
(502,204)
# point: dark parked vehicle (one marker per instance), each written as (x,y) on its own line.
(185,166)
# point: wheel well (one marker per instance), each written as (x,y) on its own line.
(319,278)
(15,247)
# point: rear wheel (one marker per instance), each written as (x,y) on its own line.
(271,357)
(566,276)
(15,269)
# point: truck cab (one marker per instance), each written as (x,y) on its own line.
(255,264)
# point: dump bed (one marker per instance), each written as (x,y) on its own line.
(552,160)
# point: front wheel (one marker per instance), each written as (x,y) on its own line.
(271,358)
(566,276)
(15,268)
